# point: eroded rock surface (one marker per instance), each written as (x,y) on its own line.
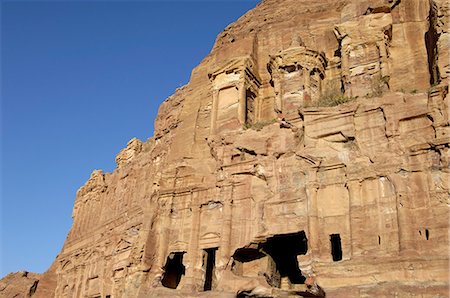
(308,155)
(19,284)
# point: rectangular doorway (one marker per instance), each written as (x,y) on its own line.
(336,247)
(209,264)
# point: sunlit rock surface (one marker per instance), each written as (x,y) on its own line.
(307,156)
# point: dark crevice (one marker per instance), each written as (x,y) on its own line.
(211,204)
(382,9)
(33,288)
(395,4)
(338,53)
(431,39)
(248,151)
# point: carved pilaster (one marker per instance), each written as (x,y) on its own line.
(229,110)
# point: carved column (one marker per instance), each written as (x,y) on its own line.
(214,108)
(242,110)
(278,94)
(319,86)
(307,81)
(313,221)
(344,61)
(384,66)
(164,233)
(193,251)
(225,252)
(345,65)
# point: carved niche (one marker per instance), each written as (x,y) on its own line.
(297,74)
(364,54)
(235,89)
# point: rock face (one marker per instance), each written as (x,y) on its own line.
(308,155)
(19,284)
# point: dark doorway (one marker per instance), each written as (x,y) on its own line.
(174,270)
(284,250)
(336,247)
(209,262)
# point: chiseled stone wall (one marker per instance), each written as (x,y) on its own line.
(251,185)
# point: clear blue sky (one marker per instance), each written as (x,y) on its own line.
(78,80)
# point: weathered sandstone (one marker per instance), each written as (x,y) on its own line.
(308,155)
(19,284)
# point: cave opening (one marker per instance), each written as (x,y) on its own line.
(174,270)
(284,250)
(209,263)
(336,247)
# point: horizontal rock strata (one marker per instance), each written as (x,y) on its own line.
(307,156)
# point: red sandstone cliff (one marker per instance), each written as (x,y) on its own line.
(308,154)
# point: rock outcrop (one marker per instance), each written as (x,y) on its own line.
(307,156)
(19,284)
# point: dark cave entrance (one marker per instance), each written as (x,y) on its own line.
(209,264)
(174,270)
(284,250)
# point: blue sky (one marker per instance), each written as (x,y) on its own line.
(78,80)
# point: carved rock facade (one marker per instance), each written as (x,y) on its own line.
(251,187)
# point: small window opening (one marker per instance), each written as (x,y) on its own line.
(108,296)
(379,240)
(174,270)
(209,261)
(336,248)
(427,234)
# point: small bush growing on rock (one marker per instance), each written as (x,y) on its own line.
(330,100)
(377,86)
